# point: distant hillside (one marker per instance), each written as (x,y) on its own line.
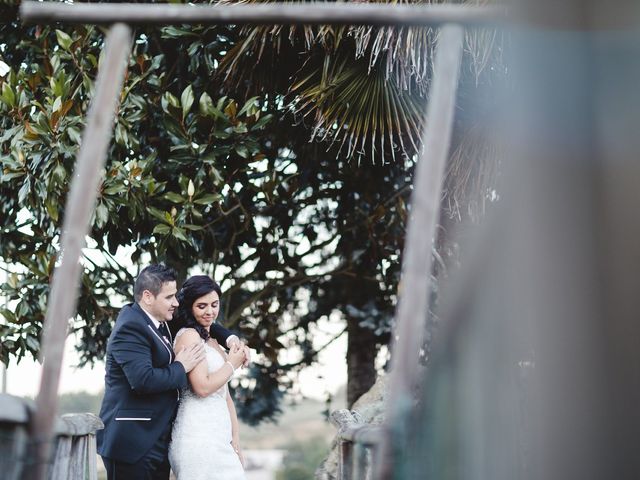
(299,422)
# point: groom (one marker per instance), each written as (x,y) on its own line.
(143,380)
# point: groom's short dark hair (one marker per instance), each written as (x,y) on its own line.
(151,278)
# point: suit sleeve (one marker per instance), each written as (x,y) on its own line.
(220,334)
(132,351)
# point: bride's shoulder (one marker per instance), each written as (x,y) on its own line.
(187,335)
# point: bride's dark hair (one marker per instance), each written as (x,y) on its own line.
(194,288)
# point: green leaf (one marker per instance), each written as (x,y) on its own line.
(6,176)
(206,105)
(210,110)
(159,214)
(57,104)
(115,189)
(162,229)
(262,122)
(52,208)
(208,198)
(173,32)
(169,100)
(92,59)
(8,96)
(32,343)
(242,151)
(249,104)
(121,135)
(64,40)
(7,314)
(174,197)
(102,215)
(24,191)
(192,227)
(187,99)
(60,173)
(179,233)
(74,135)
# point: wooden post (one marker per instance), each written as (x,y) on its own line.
(76,452)
(93,467)
(359,461)
(78,211)
(262,13)
(413,301)
(345,467)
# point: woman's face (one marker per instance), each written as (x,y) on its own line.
(205,309)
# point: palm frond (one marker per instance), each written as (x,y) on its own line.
(358,108)
(362,87)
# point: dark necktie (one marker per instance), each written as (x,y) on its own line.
(164,331)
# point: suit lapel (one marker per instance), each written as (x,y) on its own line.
(156,334)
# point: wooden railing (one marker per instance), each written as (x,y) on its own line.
(358,444)
(73,447)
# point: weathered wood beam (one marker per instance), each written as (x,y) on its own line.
(77,222)
(363,434)
(262,14)
(413,300)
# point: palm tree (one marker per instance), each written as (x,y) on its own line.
(361,91)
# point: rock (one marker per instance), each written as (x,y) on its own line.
(368,409)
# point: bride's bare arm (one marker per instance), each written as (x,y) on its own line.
(235,432)
(202,382)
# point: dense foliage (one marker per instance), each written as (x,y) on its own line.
(193,178)
(212,166)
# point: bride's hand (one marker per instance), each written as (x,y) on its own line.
(236,356)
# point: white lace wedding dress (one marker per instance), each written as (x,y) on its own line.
(201,448)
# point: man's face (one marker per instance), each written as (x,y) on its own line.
(162,305)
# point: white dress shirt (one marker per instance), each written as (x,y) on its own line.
(156,323)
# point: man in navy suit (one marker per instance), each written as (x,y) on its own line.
(143,380)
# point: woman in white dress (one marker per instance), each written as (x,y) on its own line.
(205,444)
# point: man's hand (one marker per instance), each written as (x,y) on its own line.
(190,356)
(241,345)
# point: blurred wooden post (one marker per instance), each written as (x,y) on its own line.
(14,416)
(273,13)
(414,290)
(77,222)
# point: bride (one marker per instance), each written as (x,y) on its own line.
(205,443)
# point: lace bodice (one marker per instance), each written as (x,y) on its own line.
(215,361)
(201,439)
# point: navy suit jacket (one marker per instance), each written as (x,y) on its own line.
(142,386)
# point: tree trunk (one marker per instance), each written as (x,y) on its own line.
(361,356)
